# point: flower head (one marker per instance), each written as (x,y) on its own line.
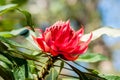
(61,40)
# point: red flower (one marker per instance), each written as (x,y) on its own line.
(61,40)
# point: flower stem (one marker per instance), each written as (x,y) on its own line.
(46,68)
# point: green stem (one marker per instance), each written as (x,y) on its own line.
(46,68)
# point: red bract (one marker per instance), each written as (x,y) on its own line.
(61,40)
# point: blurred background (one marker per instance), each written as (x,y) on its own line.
(93,14)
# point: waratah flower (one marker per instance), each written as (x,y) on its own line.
(61,40)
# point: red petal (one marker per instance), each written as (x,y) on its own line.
(47,36)
(53,52)
(63,36)
(67,49)
(70,57)
(74,41)
(80,32)
(88,41)
(52,46)
(82,50)
(40,43)
(47,48)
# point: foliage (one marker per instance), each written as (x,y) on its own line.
(19,62)
(28,18)
(110,77)
(4,9)
(91,57)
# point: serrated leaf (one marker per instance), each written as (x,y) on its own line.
(6,8)
(110,77)
(28,18)
(52,75)
(91,57)
(111,32)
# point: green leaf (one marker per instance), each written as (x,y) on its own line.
(6,74)
(20,31)
(84,75)
(3,46)
(52,75)
(93,76)
(91,57)
(10,42)
(6,34)
(2,2)
(6,8)
(19,2)
(7,57)
(4,65)
(27,34)
(23,55)
(16,53)
(110,77)
(89,70)
(20,68)
(5,60)
(28,18)
(32,67)
(20,72)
